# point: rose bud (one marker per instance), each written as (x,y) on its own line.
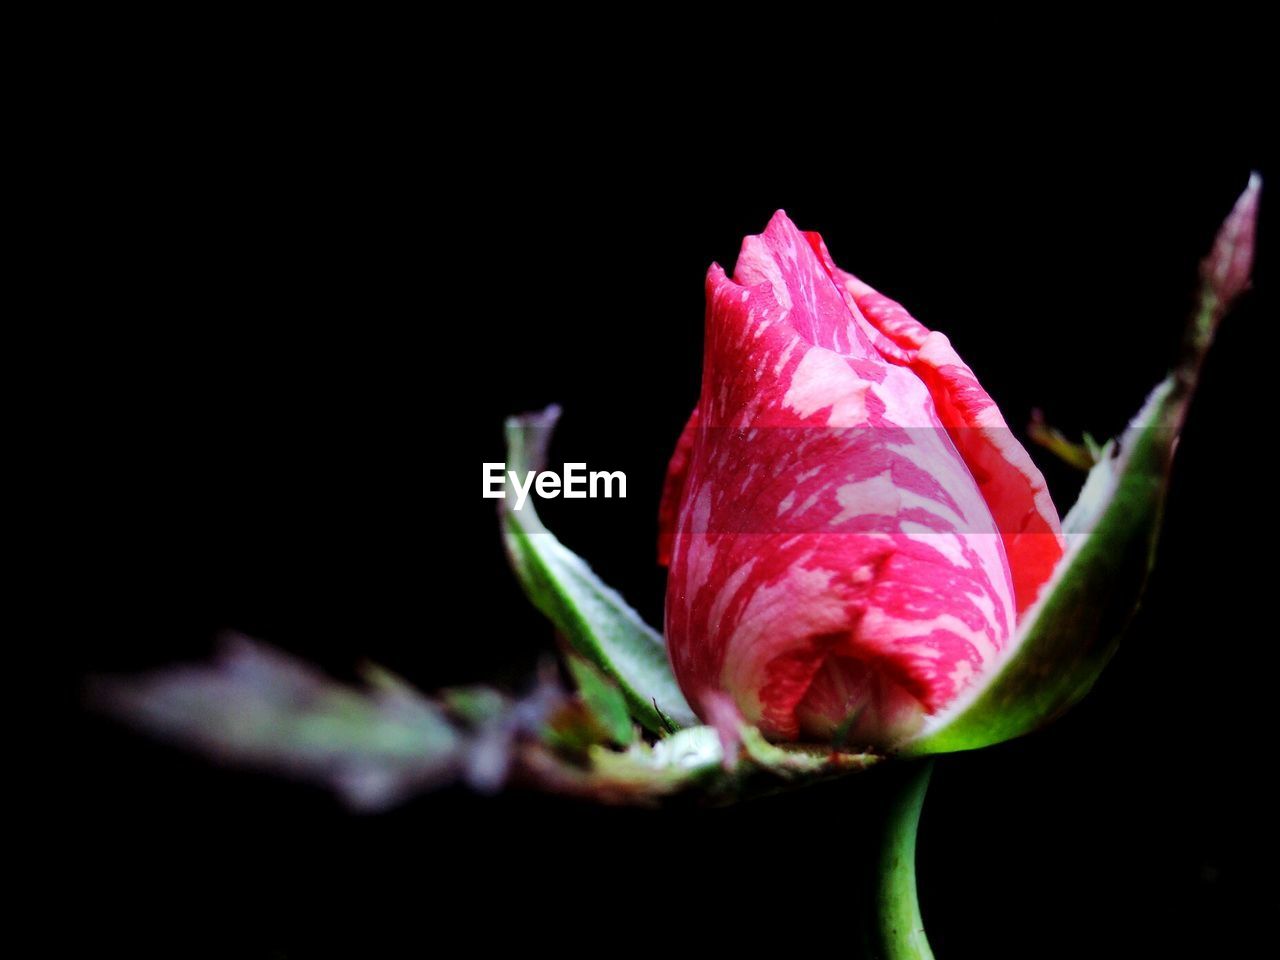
(851,528)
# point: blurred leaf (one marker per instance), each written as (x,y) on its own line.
(474,705)
(1082,456)
(377,747)
(262,707)
(595,620)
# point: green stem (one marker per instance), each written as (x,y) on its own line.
(898,925)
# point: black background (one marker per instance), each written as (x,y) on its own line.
(310,313)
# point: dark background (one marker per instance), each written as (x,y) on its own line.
(308,317)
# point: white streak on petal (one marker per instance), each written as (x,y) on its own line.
(732,584)
(875,496)
(822,379)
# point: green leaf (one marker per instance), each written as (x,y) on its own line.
(605,702)
(1067,637)
(474,706)
(261,707)
(596,621)
(377,746)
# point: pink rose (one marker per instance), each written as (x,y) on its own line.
(851,528)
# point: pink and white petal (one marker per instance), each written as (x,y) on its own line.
(673,487)
(783,260)
(830,538)
(1012,485)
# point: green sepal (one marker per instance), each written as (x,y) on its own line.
(692,764)
(603,700)
(1073,629)
(597,623)
(1068,636)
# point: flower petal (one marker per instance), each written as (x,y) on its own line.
(1012,485)
(832,552)
(673,487)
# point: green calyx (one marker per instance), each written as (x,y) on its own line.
(1074,628)
(596,622)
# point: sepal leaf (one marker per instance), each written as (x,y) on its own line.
(1070,633)
(597,623)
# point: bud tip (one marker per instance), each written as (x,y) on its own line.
(1230,263)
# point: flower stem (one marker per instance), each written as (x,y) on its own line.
(899,929)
